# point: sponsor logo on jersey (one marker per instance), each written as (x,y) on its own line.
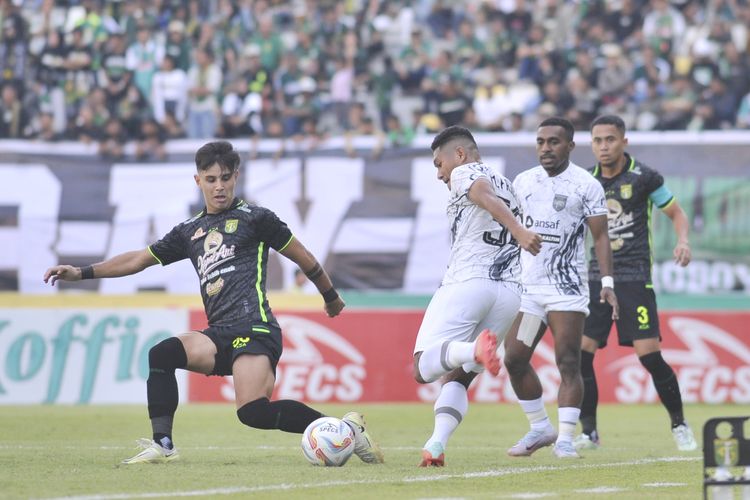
(231,226)
(212,241)
(216,252)
(214,287)
(626,191)
(559,202)
(550,238)
(199,233)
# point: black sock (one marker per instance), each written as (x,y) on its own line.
(161,387)
(164,440)
(666,385)
(590,393)
(286,415)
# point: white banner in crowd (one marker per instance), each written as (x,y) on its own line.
(376,223)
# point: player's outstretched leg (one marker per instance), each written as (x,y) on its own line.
(152,453)
(162,394)
(364,446)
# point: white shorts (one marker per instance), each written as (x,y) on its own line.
(540,304)
(461,311)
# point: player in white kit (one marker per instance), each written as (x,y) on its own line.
(480,292)
(558,200)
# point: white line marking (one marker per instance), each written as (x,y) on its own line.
(532,495)
(602,489)
(663,485)
(508,471)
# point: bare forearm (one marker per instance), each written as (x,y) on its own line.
(603,252)
(124,264)
(681,226)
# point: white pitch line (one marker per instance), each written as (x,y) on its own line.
(602,489)
(663,485)
(286,486)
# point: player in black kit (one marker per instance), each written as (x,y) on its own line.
(228,244)
(631,189)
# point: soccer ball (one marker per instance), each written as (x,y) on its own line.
(328,441)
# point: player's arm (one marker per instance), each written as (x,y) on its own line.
(482,195)
(297,253)
(124,264)
(682,253)
(603,250)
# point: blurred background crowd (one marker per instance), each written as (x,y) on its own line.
(113,71)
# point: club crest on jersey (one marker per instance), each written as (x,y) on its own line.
(231,225)
(626,191)
(559,202)
(199,233)
(213,241)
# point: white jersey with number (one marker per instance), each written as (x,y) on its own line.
(556,208)
(481,247)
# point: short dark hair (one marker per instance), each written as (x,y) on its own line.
(557,121)
(450,133)
(221,152)
(609,120)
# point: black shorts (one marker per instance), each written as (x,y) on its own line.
(638,315)
(260,338)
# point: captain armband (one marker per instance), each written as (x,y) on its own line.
(314,273)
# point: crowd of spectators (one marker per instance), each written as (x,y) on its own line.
(114,71)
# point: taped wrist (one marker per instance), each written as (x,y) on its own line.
(330,295)
(87,272)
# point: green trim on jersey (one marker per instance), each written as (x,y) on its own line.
(154,255)
(261,329)
(286,244)
(597,167)
(258,280)
(649,217)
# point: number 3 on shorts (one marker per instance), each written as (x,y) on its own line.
(643,317)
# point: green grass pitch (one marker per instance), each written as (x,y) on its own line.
(75,452)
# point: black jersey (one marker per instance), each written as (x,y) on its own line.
(229,251)
(630,197)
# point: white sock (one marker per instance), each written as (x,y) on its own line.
(439,359)
(535,412)
(450,407)
(568,418)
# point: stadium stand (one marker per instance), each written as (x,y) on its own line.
(71,70)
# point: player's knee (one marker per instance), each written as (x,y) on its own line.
(256,414)
(515,365)
(656,365)
(417,374)
(569,365)
(168,354)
